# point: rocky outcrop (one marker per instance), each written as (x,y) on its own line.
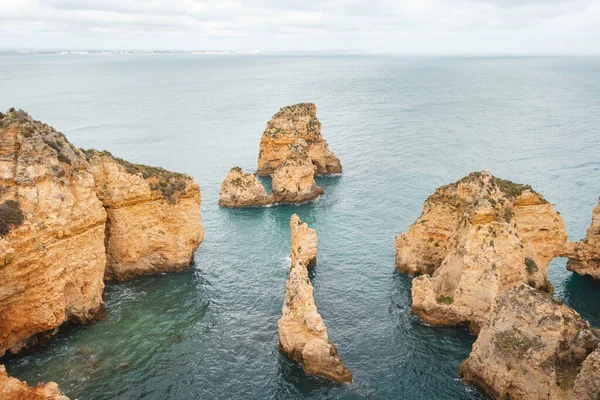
(153,217)
(302,332)
(584,256)
(287,126)
(54,233)
(534,347)
(304,242)
(293,180)
(476,238)
(14,389)
(52,254)
(240,189)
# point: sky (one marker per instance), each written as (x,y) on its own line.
(380,26)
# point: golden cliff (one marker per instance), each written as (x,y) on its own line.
(304,242)
(288,125)
(584,256)
(14,389)
(56,241)
(476,238)
(293,180)
(153,217)
(240,189)
(533,347)
(52,255)
(302,332)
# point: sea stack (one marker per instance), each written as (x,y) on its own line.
(476,238)
(240,189)
(293,180)
(534,347)
(584,256)
(56,238)
(14,389)
(291,123)
(153,217)
(302,332)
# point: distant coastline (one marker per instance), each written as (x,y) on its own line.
(173,52)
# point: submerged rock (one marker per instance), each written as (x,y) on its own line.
(534,347)
(240,189)
(302,332)
(287,126)
(475,238)
(584,256)
(154,223)
(14,389)
(293,180)
(52,254)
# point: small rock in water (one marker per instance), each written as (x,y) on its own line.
(83,351)
(124,366)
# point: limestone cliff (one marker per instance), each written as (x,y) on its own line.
(14,389)
(304,242)
(584,256)
(288,125)
(240,189)
(533,347)
(302,332)
(52,255)
(475,238)
(293,180)
(153,217)
(54,233)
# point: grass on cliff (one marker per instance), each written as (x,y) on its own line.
(28,127)
(170,184)
(445,299)
(531,266)
(11,216)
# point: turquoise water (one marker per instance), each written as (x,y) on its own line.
(400,126)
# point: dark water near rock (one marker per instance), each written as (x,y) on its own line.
(401,126)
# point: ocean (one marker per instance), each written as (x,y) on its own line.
(401,126)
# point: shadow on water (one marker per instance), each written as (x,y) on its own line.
(293,373)
(580,292)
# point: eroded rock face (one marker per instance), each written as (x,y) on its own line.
(287,126)
(154,223)
(533,347)
(52,255)
(240,189)
(293,180)
(475,238)
(54,235)
(304,242)
(302,332)
(584,256)
(14,389)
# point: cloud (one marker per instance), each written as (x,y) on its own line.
(406,26)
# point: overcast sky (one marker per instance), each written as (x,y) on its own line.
(394,26)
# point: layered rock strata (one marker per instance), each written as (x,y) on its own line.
(584,256)
(240,189)
(534,347)
(52,254)
(54,233)
(476,238)
(302,332)
(287,126)
(304,242)
(153,217)
(293,180)
(14,389)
